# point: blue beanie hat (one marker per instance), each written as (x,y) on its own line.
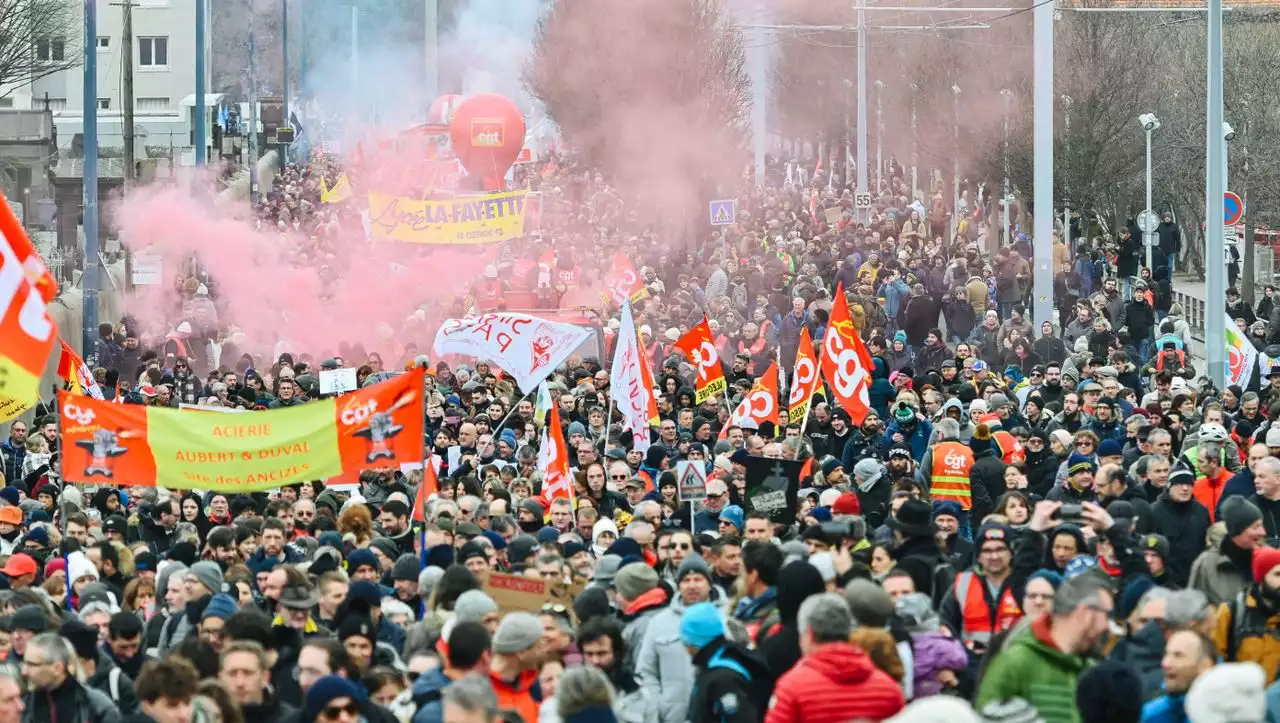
(363,556)
(11,495)
(1110,448)
(38,535)
(331,539)
(1080,463)
(548,534)
(1049,576)
(700,624)
(733,515)
(900,336)
(948,507)
(821,514)
(326,690)
(221,606)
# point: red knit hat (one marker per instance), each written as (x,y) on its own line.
(1264,559)
(847,504)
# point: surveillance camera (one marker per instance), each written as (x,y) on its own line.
(1228,133)
(1149,121)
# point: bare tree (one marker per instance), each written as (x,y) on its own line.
(37,38)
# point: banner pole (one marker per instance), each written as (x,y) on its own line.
(608,422)
(62,513)
(693,525)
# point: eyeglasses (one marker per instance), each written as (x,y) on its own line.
(619,476)
(1084,443)
(686,546)
(1045,596)
(333,711)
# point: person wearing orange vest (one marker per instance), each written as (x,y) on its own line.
(1009,448)
(513,666)
(981,602)
(944,470)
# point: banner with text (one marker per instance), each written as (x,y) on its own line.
(527,347)
(126,444)
(465,220)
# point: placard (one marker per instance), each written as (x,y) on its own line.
(337,381)
(517,592)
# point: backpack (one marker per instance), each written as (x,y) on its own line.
(1244,622)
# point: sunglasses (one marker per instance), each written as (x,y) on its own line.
(333,711)
(618,476)
(686,546)
(1084,443)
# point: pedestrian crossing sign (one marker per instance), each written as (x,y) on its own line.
(723,212)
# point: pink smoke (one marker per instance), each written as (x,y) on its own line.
(274,286)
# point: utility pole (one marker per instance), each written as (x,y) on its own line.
(126,75)
(200,151)
(1042,135)
(284,39)
(253,108)
(92,267)
(1215,304)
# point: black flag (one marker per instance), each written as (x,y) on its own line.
(772,488)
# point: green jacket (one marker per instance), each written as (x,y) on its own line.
(1031,670)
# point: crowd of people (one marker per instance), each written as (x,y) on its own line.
(1059,522)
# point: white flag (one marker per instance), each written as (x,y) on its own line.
(526,347)
(626,387)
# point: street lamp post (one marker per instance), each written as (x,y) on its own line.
(879,135)
(915,180)
(1004,152)
(955,159)
(1066,152)
(1150,123)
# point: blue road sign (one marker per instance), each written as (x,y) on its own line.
(723,212)
(1233,207)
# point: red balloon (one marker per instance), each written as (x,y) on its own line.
(487,134)
(443,108)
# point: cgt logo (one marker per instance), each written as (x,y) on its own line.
(706,358)
(355,414)
(488,133)
(79,415)
(805,373)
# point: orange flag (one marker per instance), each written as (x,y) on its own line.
(27,330)
(804,380)
(846,363)
(76,373)
(761,403)
(698,346)
(553,460)
(430,485)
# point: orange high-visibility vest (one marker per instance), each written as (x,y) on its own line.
(979,624)
(949,477)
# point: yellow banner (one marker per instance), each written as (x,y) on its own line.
(245,450)
(10,407)
(473,220)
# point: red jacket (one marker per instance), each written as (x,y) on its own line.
(834,683)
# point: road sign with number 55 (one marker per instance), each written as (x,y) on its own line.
(862,199)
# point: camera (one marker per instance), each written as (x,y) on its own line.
(1072,514)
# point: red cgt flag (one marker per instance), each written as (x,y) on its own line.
(846,363)
(761,403)
(27,332)
(701,350)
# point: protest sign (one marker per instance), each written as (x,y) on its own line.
(465,220)
(526,347)
(691,480)
(772,486)
(516,592)
(125,444)
(337,381)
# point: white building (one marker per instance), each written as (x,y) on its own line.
(163,61)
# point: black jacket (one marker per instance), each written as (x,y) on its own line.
(127,701)
(70,702)
(986,483)
(1185,525)
(721,693)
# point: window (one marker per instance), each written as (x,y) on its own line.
(56,103)
(6,102)
(51,50)
(104,104)
(104,43)
(153,105)
(153,52)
